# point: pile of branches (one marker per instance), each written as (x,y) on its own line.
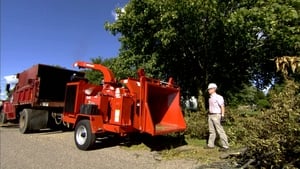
(273,137)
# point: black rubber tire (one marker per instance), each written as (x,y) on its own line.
(3,118)
(83,136)
(24,121)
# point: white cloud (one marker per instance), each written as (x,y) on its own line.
(115,15)
(3,96)
(11,79)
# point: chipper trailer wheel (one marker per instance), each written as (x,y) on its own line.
(84,138)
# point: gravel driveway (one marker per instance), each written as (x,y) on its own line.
(56,149)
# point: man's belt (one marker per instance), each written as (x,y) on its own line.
(213,113)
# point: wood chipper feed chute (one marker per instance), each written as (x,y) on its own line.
(161,110)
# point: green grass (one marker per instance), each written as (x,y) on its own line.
(196,142)
(194,149)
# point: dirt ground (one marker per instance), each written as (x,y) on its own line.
(56,149)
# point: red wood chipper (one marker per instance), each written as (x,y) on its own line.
(142,104)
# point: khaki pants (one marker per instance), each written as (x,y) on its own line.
(214,125)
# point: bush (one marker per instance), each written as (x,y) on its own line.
(197,126)
(263,104)
(273,137)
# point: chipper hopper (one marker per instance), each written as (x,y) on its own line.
(157,106)
(142,104)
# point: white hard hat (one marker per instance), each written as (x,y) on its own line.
(212,85)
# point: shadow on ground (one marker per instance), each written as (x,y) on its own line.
(41,131)
(217,165)
(154,143)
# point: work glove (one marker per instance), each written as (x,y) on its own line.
(223,119)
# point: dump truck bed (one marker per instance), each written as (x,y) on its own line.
(42,83)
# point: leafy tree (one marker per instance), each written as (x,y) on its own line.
(197,41)
(264,30)
(249,96)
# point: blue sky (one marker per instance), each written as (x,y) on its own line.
(55,32)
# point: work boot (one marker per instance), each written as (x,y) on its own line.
(208,147)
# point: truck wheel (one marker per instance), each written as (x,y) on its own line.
(84,138)
(3,118)
(24,121)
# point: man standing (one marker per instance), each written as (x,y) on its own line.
(215,114)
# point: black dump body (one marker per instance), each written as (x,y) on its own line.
(53,82)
